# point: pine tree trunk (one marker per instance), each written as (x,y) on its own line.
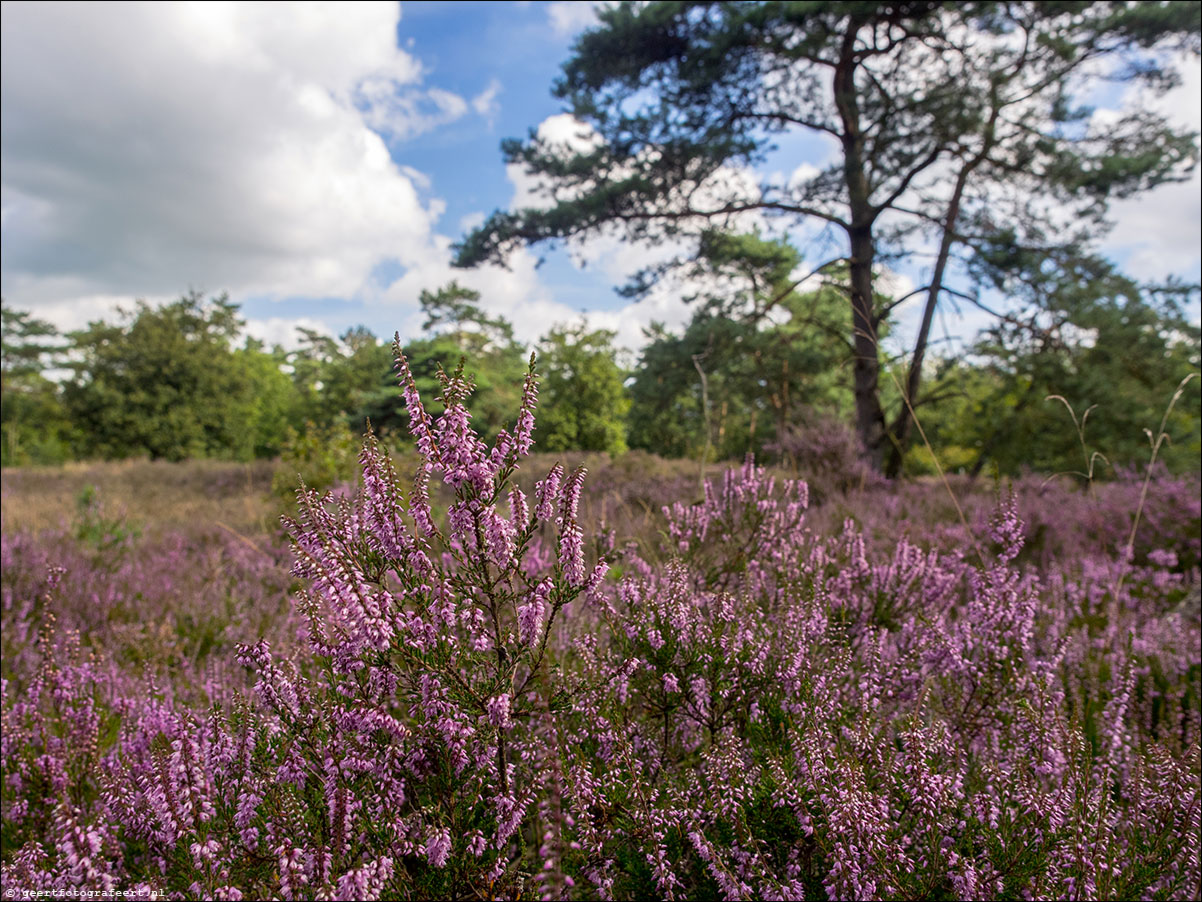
(870,418)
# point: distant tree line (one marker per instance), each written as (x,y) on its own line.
(760,367)
(178,381)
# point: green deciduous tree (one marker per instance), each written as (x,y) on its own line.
(1095,339)
(958,126)
(275,399)
(582,401)
(755,349)
(344,381)
(167,382)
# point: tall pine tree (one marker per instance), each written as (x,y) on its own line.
(958,126)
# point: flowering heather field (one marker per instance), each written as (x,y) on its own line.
(453,687)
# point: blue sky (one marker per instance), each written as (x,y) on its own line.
(317,160)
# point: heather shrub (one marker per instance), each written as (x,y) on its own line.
(914,727)
(172,606)
(467,702)
(405,750)
(1067,521)
(825,452)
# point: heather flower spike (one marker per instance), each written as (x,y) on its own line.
(447,623)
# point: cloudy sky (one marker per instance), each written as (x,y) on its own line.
(317,161)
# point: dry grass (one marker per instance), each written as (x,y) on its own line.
(154,495)
(626,492)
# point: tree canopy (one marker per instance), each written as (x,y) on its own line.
(756,349)
(167,383)
(347,380)
(1099,343)
(33,423)
(759,367)
(583,403)
(26,343)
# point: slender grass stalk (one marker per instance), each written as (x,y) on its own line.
(1155,441)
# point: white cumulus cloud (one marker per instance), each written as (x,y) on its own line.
(570,16)
(1160,232)
(150,147)
(485,103)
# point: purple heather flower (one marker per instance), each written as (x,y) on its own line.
(571,553)
(546,494)
(531,614)
(498,708)
(438,847)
